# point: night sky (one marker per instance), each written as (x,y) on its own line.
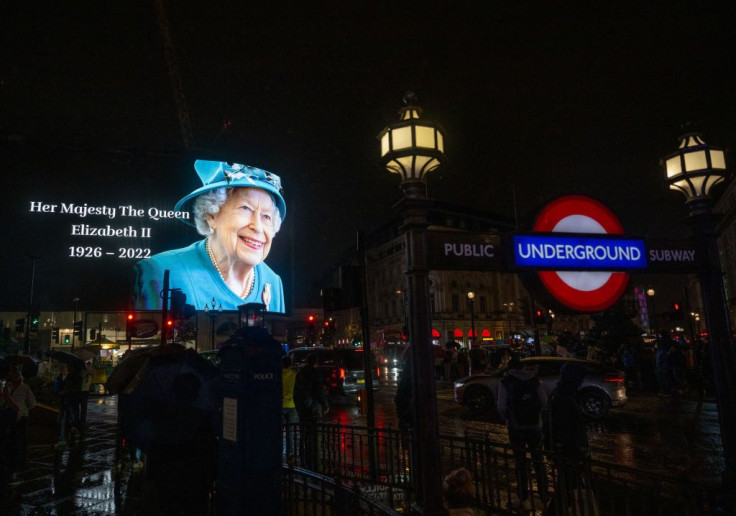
(536,103)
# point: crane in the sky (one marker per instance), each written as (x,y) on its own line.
(170,55)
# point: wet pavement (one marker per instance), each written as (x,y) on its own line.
(80,479)
(675,437)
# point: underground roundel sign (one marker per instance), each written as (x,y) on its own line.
(585,291)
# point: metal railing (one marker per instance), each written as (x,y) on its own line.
(307,492)
(576,487)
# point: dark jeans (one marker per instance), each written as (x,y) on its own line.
(309,445)
(523,439)
(290,417)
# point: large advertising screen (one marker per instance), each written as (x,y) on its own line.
(93,225)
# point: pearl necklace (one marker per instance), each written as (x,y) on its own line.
(250,279)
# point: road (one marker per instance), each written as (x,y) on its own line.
(677,437)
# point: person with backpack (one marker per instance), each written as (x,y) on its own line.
(521,400)
(569,441)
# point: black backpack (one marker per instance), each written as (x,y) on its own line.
(302,395)
(523,405)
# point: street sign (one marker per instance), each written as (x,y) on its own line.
(584,291)
(144,328)
(579,252)
(455,250)
(672,256)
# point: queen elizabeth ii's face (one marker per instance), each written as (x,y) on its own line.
(245,225)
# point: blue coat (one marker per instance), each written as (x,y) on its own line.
(192,271)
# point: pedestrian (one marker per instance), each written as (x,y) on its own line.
(560,350)
(627,362)
(182,459)
(521,400)
(458,493)
(477,359)
(567,436)
(404,400)
(311,404)
(663,365)
(86,373)
(678,363)
(71,386)
(288,408)
(19,397)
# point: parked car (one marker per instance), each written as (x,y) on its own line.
(603,386)
(341,368)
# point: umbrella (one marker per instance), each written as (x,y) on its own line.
(67,358)
(88,352)
(27,365)
(169,396)
(132,367)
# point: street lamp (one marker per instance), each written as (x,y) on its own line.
(31,308)
(471,302)
(213,314)
(74,321)
(411,148)
(653,319)
(693,170)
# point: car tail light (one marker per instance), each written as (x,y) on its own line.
(342,373)
(613,379)
(378,372)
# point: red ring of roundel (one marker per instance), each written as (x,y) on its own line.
(612,290)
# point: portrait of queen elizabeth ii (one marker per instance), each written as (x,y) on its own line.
(239,210)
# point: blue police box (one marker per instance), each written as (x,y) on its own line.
(249,456)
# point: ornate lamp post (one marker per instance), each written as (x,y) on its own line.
(213,315)
(693,170)
(411,148)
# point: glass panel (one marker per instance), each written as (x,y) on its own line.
(673,166)
(384,143)
(410,114)
(425,136)
(401,138)
(695,161)
(717,159)
(440,142)
(406,161)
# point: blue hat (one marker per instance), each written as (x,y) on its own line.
(220,174)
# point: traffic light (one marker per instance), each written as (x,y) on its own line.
(77,328)
(677,314)
(129,326)
(66,339)
(92,334)
(34,323)
(178,300)
(55,334)
(539,317)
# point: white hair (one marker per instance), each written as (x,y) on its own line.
(209,203)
